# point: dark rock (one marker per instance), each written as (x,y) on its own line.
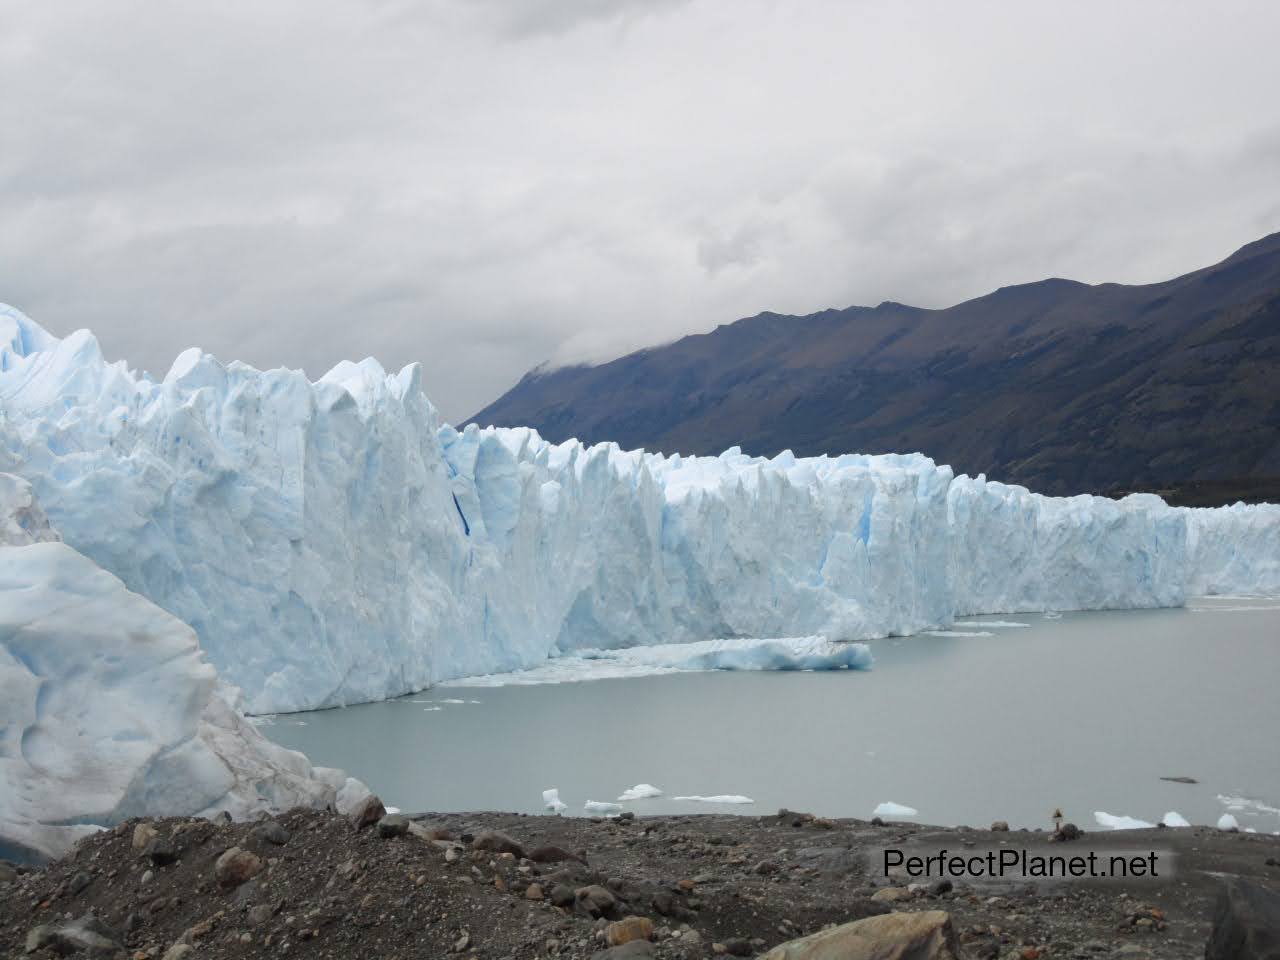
(272,832)
(367,812)
(497,842)
(739,947)
(1246,923)
(161,851)
(78,882)
(595,900)
(552,854)
(393,825)
(562,895)
(1000,826)
(942,886)
(86,933)
(1069,831)
(877,822)
(635,950)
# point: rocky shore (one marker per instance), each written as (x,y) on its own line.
(493,885)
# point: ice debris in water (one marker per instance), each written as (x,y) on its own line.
(641,791)
(1175,819)
(1119,822)
(718,798)
(601,808)
(891,809)
(551,798)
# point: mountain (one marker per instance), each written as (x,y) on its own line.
(1064,387)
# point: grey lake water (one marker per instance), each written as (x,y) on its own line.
(1083,711)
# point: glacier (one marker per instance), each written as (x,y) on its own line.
(332,541)
(108,709)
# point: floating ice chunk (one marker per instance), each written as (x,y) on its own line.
(551,798)
(891,809)
(994,623)
(391,809)
(601,808)
(641,791)
(1114,822)
(719,798)
(453,700)
(959,633)
(1228,822)
(1175,819)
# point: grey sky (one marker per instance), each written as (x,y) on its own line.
(489,184)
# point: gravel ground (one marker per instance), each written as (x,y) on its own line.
(494,885)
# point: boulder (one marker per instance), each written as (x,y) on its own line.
(628,929)
(367,812)
(1246,923)
(272,832)
(393,825)
(86,933)
(143,834)
(236,866)
(595,900)
(496,842)
(894,936)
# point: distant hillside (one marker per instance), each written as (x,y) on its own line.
(1058,385)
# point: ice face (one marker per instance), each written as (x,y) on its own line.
(108,709)
(332,541)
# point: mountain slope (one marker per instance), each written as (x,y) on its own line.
(1058,385)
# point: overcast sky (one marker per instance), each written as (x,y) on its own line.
(484,185)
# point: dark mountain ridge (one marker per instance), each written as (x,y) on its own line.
(1062,386)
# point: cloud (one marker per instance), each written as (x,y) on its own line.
(483,186)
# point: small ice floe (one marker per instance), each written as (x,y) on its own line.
(553,802)
(1113,822)
(262,720)
(431,709)
(994,623)
(891,809)
(602,808)
(1052,615)
(719,798)
(641,791)
(1174,819)
(453,701)
(960,633)
(391,809)
(1228,822)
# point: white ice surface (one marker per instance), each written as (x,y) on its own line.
(1228,822)
(332,541)
(601,807)
(1175,819)
(641,791)
(1119,822)
(891,809)
(109,711)
(735,798)
(551,799)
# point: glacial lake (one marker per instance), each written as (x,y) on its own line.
(1083,711)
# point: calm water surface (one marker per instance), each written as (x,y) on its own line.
(1084,712)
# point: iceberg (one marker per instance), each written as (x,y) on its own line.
(641,791)
(108,709)
(1119,822)
(718,798)
(891,809)
(1175,819)
(332,541)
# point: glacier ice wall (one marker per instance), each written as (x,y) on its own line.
(108,709)
(332,541)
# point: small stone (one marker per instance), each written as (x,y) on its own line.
(891,894)
(1069,831)
(179,951)
(260,914)
(764,868)
(739,947)
(235,866)
(562,895)
(393,825)
(1000,826)
(533,892)
(628,929)
(552,854)
(462,942)
(942,886)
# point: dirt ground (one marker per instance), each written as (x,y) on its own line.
(710,885)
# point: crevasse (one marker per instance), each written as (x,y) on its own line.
(332,542)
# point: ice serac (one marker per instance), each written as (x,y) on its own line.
(332,541)
(108,709)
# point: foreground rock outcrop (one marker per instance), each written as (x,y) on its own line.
(309,884)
